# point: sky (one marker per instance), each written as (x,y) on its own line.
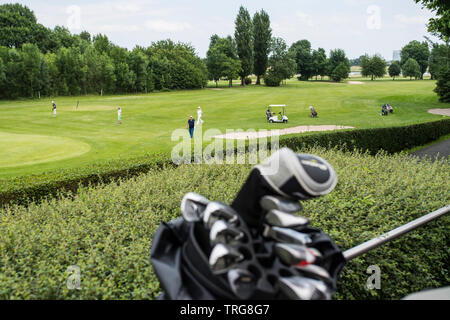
(357,26)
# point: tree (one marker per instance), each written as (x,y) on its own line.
(443,85)
(32,62)
(281,63)
(418,51)
(301,50)
(244,40)
(86,36)
(338,58)
(102,44)
(320,62)
(394,69)
(374,67)
(262,34)
(17,25)
(439,25)
(221,59)
(439,59)
(411,68)
(340,72)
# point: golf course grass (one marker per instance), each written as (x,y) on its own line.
(33,141)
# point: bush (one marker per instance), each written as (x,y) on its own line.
(271,79)
(248,81)
(341,72)
(107,231)
(391,139)
(443,86)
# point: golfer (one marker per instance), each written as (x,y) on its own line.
(54,109)
(191,125)
(199,116)
(119,116)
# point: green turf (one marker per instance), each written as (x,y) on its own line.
(91,133)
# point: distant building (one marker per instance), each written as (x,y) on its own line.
(396,55)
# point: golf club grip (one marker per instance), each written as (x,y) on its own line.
(393,234)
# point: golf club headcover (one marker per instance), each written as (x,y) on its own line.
(286,174)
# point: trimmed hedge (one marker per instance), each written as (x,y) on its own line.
(24,189)
(107,230)
(390,139)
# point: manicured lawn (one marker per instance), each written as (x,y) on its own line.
(33,141)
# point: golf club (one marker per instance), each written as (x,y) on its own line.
(218,211)
(222,232)
(286,235)
(223,257)
(285,220)
(242,283)
(279,203)
(315,271)
(292,254)
(300,288)
(192,206)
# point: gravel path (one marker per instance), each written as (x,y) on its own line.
(436,151)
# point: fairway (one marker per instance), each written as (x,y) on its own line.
(33,141)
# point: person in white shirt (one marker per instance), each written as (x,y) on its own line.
(54,109)
(119,116)
(199,116)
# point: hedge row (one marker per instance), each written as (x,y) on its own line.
(107,230)
(390,139)
(22,190)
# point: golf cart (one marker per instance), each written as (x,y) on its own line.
(274,117)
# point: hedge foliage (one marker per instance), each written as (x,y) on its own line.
(107,230)
(24,189)
(389,139)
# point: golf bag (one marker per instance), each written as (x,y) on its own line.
(182,250)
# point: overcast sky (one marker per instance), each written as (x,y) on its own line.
(357,26)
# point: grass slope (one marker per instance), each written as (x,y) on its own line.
(149,120)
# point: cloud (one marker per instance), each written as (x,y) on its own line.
(411,20)
(167,26)
(305,18)
(119,28)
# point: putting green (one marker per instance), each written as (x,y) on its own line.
(24,149)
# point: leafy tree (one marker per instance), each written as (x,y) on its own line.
(301,50)
(32,63)
(443,85)
(262,34)
(221,59)
(394,69)
(356,62)
(418,51)
(439,25)
(340,72)
(411,68)
(244,40)
(86,36)
(320,63)
(102,44)
(281,63)
(17,25)
(374,67)
(439,59)
(2,76)
(338,58)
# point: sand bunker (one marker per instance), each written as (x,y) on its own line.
(442,112)
(355,82)
(281,132)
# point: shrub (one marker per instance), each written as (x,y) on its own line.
(248,81)
(107,231)
(443,85)
(271,79)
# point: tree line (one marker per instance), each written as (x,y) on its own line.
(253,50)
(37,61)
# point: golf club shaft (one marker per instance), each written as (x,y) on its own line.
(391,235)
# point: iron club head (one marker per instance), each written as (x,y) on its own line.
(222,232)
(285,220)
(218,211)
(279,203)
(223,258)
(192,206)
(292,254)
(242,283)
(300,288)
(286,235)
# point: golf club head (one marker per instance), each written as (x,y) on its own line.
(300,288)
(192,206)
(242,283)
(279,203)
(286,235)
(222,232)
(218,211)
(315,271)
(292,254)
(223,258)
(285,220)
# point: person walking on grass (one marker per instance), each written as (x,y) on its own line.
(191,125)
(199,116)
(119,115)
(54,109)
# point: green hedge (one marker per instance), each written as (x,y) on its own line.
(107,230)
(390,139)
(25,189)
